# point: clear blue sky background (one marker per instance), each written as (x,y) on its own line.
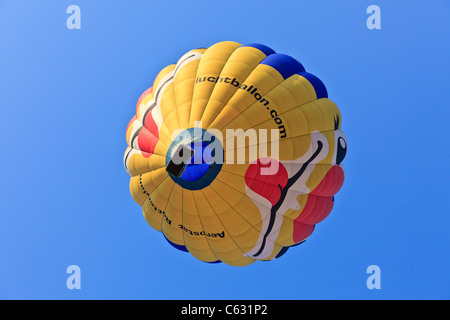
(66,97)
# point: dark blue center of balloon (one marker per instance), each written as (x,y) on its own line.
(203,167)
(199,163)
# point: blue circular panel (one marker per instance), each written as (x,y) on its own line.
(204,166)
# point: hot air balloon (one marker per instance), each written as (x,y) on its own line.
(235,153)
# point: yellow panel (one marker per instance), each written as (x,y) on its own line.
(239,65)
(155,205)
(184,88)
(169,111)
(153,217)
(262,79)
(211,65)
(143,185)
(173,214)
(235,225)
(195,237)
(224,248)
(138,164)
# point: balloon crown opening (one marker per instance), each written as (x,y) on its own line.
(190,160)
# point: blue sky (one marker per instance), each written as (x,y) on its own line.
(66,97)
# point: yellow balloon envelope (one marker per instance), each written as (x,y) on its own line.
(235,153)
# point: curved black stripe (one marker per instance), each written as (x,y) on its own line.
(126,158)
(176,69)
(146,112)
(135,136)
(284,191)
(156,99)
